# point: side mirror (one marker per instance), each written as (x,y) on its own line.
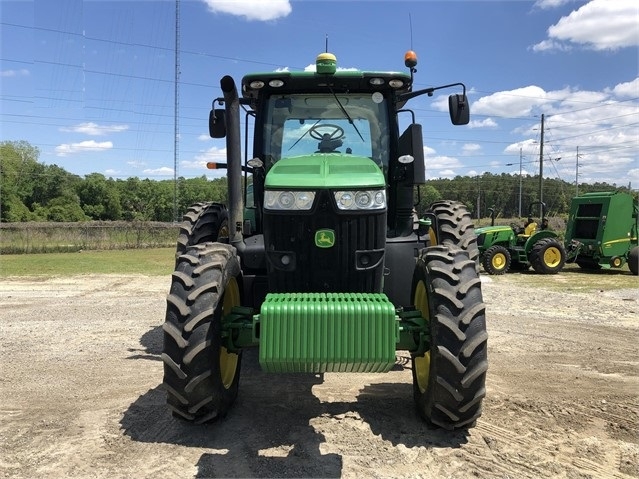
(217,124)
(459,109)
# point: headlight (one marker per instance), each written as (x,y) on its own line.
(288,200)
(361,200)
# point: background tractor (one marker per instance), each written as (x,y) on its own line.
(602,231)
(513,247)
(314,260)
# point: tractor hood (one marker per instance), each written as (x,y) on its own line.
(323,171)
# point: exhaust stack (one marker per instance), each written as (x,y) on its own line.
(234,162)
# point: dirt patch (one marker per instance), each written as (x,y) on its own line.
(80,392)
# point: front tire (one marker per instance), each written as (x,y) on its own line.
(201,376)
(496,260)
(449,379)
(548,256)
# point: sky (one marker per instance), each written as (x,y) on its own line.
(93,84)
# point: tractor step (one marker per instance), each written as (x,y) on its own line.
(327,332)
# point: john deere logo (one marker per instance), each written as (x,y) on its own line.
(324,238)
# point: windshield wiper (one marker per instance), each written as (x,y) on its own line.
(348,117)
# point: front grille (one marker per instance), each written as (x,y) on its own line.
(339,268)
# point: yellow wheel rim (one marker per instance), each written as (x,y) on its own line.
(432,236)
(552,257)
(422,363)
(223,233)
(498,261)
(228,361)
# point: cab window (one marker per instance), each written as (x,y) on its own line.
(294,122)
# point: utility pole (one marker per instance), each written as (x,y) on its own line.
(541,161)
(520,161)
(176,109)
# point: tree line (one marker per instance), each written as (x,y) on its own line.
(508,195)
(33,191)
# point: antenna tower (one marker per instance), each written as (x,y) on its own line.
(176,108)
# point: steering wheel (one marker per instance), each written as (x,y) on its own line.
(334,131)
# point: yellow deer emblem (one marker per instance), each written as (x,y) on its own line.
(324,238)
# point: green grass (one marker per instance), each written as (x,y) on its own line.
(160,261)
(50,237)
(152,262)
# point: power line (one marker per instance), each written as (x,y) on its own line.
(143,45)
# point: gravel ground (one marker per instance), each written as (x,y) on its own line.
(81,395)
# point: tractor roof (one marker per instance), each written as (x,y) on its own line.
(326,74)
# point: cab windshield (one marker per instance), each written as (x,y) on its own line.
(295,125)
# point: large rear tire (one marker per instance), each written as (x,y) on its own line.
(547,256)
(201,376)
(449,379)
(203,222)
(496,260)
(455,227)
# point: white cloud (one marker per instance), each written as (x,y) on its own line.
(441,166)
(136,163)
(93,129)
(214,154)
(599,126)
(551,45)
(514,103)
(601,123)
(485,123)
(440,103)
(15,73)
(311,67)
(441,174)
(197,166)
(428,151)
(88,145)
(163,171)
(627,89)
(471,147)
(598,25)
(527,147)
(546,4)
(259,10)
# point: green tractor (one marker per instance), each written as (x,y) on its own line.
(503,248)
(602,231)
(315,259)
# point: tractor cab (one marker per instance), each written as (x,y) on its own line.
(328,154)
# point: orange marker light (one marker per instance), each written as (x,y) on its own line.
(410,59)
